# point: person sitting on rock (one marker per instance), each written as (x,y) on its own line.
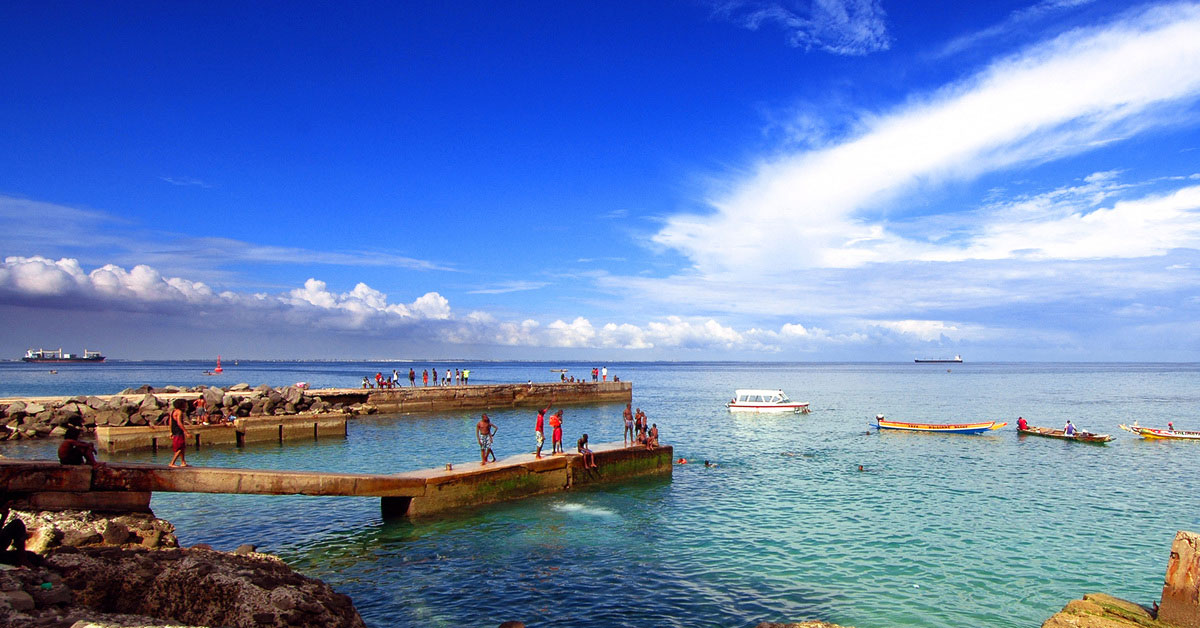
(74,451)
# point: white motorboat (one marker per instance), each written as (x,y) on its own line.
(753,400)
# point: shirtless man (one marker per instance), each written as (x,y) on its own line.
(74,451)
(589,458)
(627,435)
(485,431)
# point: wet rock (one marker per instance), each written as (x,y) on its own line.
(245,548)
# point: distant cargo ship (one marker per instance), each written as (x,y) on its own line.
(59,357)
(957,358)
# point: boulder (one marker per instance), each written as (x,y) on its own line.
(213,398)
(201,587)
(96,403)
(15,407)
(293,394)
(242,387)
(34,408)
(149,402)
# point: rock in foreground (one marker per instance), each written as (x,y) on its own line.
(195,587)
(1097,610)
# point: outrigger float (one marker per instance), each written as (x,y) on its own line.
(1154,433)
(1049,432)
(939,428)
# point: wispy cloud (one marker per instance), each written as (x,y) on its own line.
(1017,22)
(510,286)
(830,208)
(99,236)
(185,182)
(845,27)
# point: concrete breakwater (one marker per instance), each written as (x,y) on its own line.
(443,398)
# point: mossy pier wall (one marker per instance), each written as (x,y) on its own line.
(127,487)
(482,397)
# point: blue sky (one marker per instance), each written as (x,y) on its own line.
(620,180)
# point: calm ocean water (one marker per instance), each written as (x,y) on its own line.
(940,531)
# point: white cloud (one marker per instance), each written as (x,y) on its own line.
(922,330)
(814,209)
(847,27)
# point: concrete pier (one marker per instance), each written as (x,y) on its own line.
(263,429)
(446,398)
(47,485)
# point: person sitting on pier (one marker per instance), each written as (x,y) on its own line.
(652,439)
(366,383)
(74,451)
(582,447)
(485,432)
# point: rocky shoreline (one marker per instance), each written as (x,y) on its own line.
(22,419)
(129,570)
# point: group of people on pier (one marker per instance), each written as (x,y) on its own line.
(637,433)
(459,377)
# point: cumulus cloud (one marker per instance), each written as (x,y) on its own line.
(40,282)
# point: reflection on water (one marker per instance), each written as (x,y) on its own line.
(939,530)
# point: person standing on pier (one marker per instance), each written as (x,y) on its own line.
(435,379)
(627,435)
(539,428)
(425,377)
(179,435)
(412,377)
(604,374)
(556,437)
(485,431)
(466,374)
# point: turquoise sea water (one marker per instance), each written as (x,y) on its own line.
(940,530)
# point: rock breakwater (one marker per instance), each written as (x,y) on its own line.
(42,418)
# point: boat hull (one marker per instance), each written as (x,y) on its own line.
(1153,433)
(795,408)
(940,428)
(1082,437)
(63,360)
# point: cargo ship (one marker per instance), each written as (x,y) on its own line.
(59,356)
(956,360)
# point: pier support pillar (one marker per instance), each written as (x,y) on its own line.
(394,507)
(1181,588)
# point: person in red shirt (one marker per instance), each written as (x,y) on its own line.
(1022,424)
(556,436)
(539,428)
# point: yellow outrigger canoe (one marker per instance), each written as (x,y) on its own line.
(1154,433)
